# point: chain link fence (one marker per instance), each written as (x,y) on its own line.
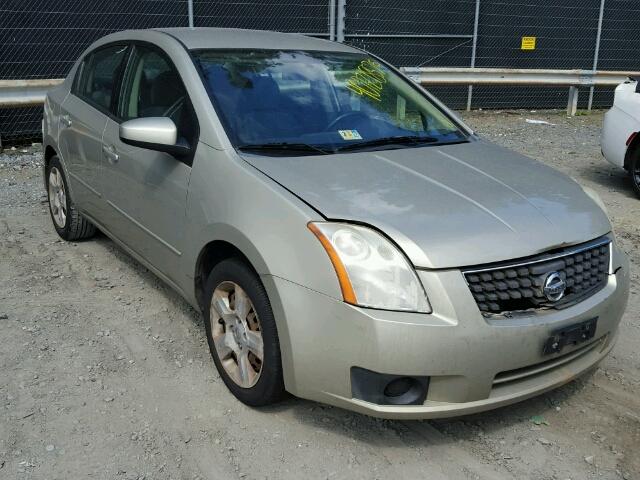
(42,38)
(543,34)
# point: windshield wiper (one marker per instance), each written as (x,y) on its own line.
(380,142)
(282,147)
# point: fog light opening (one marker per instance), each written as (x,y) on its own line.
(402,391)
(388,389)
(398,387)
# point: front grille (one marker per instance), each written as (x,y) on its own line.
(506,287)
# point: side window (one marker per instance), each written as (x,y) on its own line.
(99,75)
(153,88)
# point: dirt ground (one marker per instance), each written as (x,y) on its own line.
(105,371)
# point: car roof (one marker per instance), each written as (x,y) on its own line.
(236,38)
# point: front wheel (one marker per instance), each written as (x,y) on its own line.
(242,334)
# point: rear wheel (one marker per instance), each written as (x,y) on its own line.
(242,334)
(634,172)
(68,222)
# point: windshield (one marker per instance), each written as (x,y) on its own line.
(318,102)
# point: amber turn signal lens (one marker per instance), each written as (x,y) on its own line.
(348,294)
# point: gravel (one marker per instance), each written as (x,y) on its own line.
(106,373)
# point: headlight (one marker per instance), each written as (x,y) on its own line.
(372,272)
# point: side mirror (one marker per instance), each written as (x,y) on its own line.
(153,133)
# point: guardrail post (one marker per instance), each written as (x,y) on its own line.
(473,51)
(332,20)
(342,11)
(190,12)
(596,52)
(572,105)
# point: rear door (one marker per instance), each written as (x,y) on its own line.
(146,190)
(83,118)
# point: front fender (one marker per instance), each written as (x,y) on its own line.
(231,201)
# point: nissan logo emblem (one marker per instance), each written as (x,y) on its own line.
(554,287)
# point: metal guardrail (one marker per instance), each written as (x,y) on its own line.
(24,93)
(510,76)
(530,77)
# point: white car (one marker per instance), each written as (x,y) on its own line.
(621,131)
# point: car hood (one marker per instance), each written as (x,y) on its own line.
(446,206)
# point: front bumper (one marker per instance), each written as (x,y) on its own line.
(473,363)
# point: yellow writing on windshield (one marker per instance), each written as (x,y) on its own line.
(368,79)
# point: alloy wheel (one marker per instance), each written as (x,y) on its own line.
(237,335)
(57,198)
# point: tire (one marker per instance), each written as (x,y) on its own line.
(262,382)
(634,171)
(68,222)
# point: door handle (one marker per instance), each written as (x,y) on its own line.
(110,153)
(65,121)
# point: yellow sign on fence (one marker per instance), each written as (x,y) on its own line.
(528,43)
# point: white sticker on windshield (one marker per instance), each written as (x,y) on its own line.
(350,134)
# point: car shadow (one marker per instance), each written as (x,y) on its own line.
(149,277)
(609,177)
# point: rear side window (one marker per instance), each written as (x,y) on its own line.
(99,76)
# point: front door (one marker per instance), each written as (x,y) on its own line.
(146,190)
